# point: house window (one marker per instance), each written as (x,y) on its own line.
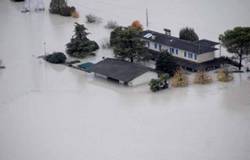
(155,45)
(148,44)
(190,55)
(185,54)
(176,51)
(171,50)
(195,56)
(159,47)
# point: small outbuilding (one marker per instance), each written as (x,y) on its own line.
(123,72)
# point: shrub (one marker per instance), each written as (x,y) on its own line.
(201,77)
(111,25)
(137,24)
(92,18)
(61,7)
(223,75)
(57,5)
(56,58)
(75,14)
(179,79)
(80,46)
(69,11)
(159,84)
(154,85)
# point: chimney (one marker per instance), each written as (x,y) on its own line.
(167,31)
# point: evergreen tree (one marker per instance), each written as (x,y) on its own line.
(237,41)
(128,45)
(114,36)
(188,34)
(80,46)
(166,63)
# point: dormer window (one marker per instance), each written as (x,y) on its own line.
(148,35)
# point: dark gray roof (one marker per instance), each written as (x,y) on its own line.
(119,70)
(175,42)
(206,42)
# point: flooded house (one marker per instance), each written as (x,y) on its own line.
(187,54)
(123,72)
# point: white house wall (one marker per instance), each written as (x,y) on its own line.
(164,47)
(143,79)
(200,58)
(205,57)
(181,54)
(101,76)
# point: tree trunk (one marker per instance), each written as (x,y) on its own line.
(240,62)
(131,59)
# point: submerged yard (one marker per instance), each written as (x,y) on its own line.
(54,112)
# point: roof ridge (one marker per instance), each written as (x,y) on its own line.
(173,37)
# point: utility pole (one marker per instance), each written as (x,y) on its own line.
(147,17)
(220,49)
